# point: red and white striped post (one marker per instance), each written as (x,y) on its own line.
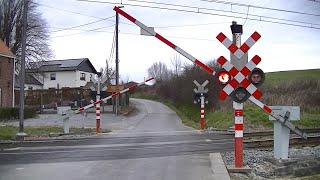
(238,129)
(98,107)
(202,121)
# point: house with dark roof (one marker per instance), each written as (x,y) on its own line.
(7,61)
(30,83)
(64,73)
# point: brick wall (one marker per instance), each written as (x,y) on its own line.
(6,81)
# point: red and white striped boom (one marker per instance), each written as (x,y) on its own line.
(164,40)
(109,97)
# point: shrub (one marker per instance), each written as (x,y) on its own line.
(13,113)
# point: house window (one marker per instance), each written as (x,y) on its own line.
(30,88)
(53,76)
(83,76)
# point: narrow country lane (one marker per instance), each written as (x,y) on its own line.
(156,146)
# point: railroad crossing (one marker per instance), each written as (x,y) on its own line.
(236,77)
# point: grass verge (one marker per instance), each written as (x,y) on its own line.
(254,117)
(9,132)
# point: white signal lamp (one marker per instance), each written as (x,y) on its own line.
(256,77)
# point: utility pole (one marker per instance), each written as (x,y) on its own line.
(117,62)
(21,133)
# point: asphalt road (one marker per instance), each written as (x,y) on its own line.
(154,145)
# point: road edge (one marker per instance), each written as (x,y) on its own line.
(218,167)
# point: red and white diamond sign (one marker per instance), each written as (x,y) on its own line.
(239,52)
(239,77)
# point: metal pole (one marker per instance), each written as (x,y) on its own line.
(238,107)
(202,111)
(117,61)
(98,107)
(21,133)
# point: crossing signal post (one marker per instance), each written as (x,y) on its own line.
(98,88)
(199,96)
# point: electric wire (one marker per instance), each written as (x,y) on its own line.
(261,7)
(85,31)
(226,11)
(112,46)
(73,12)
(247,16)
(83,24)
(310,25)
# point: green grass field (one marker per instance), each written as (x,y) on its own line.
(276,77)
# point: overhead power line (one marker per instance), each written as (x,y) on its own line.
(112,47)
(73,12)
(85,31)
(219,10)
(84,24)
(261,7)
(198,11)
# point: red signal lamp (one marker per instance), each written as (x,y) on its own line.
(224,77)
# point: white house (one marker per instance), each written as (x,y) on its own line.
(64,73)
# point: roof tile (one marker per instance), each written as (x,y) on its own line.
(4,50)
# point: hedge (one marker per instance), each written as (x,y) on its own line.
(13,113)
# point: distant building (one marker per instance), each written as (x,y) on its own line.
(7,61)
(30,83)
(59,74)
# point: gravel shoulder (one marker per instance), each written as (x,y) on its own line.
(261,162)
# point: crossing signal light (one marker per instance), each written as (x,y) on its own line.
(240,95)
(224,77)
(257,77)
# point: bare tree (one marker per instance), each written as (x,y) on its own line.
(109,72)
(177,64)
(37,46)
(159,71)
(125,79)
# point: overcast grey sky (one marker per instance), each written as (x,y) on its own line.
(281,47)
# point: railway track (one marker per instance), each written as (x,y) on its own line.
(294,142)
(270,133)
(264,140)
